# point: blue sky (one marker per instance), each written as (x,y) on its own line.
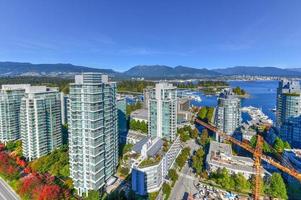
(124,33)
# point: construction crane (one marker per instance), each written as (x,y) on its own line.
(257,155)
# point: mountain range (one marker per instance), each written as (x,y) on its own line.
(146,71)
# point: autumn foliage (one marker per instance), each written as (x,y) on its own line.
(41,187)
(8,167)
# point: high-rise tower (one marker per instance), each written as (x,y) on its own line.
(93,131)
(40,118)
(162,112)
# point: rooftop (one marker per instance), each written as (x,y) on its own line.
(140,114)
(221,154)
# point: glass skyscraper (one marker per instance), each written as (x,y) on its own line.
(93,131)
(228,113)
(288,101)
(162,112)
(288,114)
(40,117)
(10,102)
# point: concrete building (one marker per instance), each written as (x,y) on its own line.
(220,156)
(146,96)
(122,119)
(93,131)
(288,102)
(183,104)
(140,115)
(162,113)
(131,137)
(10,103)
(291,131)
(40,121)
(293,156)
(148,174)
(228,113)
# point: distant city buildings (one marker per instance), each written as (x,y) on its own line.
(162,113)
(40,121)
(93,131)
(10,103)
(228,112)
(288,112)
(153,164)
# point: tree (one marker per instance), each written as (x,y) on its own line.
(204,137)
(50,192)
(253,141)
(195,133)
(276,187)
(286,145)
(92,195)
(166,190)
(209,114)
(278,145)
(241,183)
(197,164)
(172,174)
(202,112)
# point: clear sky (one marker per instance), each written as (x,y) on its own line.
(124,33)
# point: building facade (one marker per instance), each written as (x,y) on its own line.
(290,131)
(162,112)
(122,118)
(93,131)
(146,96)
(228,112)
(288,102)
(220,156)
(10,103)
(147,179)
(40,121)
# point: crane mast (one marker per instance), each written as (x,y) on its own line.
(257,155)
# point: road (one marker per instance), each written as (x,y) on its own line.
(6,192)
(183,185)
(186,178)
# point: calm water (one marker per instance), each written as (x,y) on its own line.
(263,95)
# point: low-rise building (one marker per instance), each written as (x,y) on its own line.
(293,156)
(220,156)
(157,157)
(140,115)
(131,137)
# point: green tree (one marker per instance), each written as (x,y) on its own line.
(194,133)
(241,183)
(204,137)
(286,145)
(166,190)
(173,175)
(197,164)
(276,187)
(278,145)
(209,114)
(92,195)
(253,141)
(202,112)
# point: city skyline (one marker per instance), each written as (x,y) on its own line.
(110,35)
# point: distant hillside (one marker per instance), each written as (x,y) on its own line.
(258,71)
(28,69)
(162,71)
(145,71)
